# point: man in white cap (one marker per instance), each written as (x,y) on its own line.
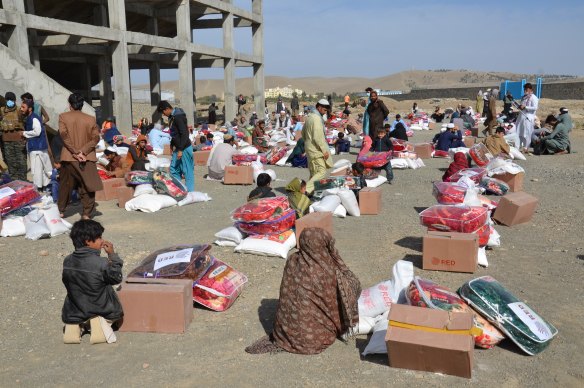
(284,124)
(564,117)
(317,150)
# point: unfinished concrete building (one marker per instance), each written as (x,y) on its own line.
(51,48)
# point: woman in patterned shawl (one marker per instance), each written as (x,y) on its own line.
(318,299)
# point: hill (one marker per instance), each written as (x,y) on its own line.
(404,81)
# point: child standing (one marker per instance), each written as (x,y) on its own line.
(88,279)
(263,190)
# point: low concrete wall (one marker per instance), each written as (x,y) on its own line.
(555,91)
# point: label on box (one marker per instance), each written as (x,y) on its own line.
(6,192)
(532,320)
(168,258)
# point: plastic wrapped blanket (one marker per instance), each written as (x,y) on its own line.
(176,262)
(510,315)
(275,154)
(164,183)
(425,293)
(375,159)
(138,177)
(247,159)
(475,174)
(260,210)
(494,186)
(219,287)
(480,154)
(333,182)
(462,219)
(448,193)
(276,224)
(16,194)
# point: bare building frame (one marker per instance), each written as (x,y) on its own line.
(83,43)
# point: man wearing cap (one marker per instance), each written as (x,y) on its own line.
(450,138)
(11,122)
(491,121)
(377,113)
(565,118)
(117,166)
(221,157)
(157,138)
(37,146)
(284,124)
(496,143)
(317,151)
(80,135)
(182,163)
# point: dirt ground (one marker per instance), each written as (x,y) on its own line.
(542,262)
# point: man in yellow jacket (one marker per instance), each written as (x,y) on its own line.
(317,150)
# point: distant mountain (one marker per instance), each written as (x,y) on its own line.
(404,81)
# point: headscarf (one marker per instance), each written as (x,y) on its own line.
(318,299)
(298,201)
(460,162)
(297,151)
(367,143)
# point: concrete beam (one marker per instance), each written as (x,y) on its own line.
(84,49)
(218,23)
(226,7)
(62,40)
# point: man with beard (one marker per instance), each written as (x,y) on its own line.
(317,151)
(12,125)
(377,113)
(37,146)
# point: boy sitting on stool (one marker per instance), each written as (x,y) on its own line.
(88,279)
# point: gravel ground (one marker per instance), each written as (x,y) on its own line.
(542,262)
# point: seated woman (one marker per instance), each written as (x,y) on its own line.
(460,162)
(297,198)
(318,299)
(298,156)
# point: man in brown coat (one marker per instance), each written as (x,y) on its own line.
(491,121)
(377,114)
(80,135)
(496,143)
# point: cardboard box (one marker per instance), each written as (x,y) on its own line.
(410,344)
(166,150)
(323,220)
(125,194)
(423,150)
(201,157)
(431,125)
(515,208)
(340,172)
(469,141)
(452,252)
(156,305)
(515,182)
(110,189)
(238,175)
(370,200)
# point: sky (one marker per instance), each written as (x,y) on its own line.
(374,38)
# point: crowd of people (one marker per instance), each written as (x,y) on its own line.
(69,160)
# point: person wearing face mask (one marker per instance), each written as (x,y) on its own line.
(12,125)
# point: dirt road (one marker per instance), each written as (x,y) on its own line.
(542,262)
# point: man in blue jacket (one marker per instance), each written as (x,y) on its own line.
(182,163)
(37,146)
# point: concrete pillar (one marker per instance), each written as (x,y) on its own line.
(105,87)
(155,89)
(121,68)
(185,61)
(195,94)
(18,37)
(86,79)
(258,51)
(229,68)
